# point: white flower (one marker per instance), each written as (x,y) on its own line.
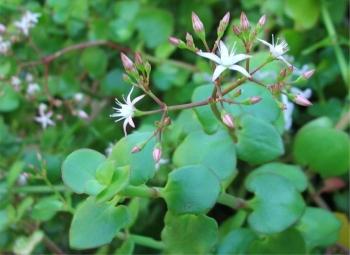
(82,114)
(44,118)
(289,106)
(277,49)
(16,82)
(29,77)
(28,21)
(32,88)
(4,46)
(78,97)
(227,60)
(126,110)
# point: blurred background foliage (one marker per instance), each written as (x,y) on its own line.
(317,32)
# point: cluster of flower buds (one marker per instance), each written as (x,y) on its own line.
(246,32)
(138,73)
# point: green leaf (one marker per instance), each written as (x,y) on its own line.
(105,171)
(46,208)
(9,100)
(142,166)
(287,242)
(316,234)
(189,234)
(80,167)
(206,117)
(127,248)
(258,141)
(305,13)
(276,204)
(187,189)
(95,224)
(216,152)
(14,173)
(291,172)
(234,222)
(267,109)
(167,75)
(236,241)
(119,180)
(325,150)
(95,61)
(154,26)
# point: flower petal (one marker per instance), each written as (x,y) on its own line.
(210,56)
(124,126)
(240,69)
(218,70)
(128,99)
(239,57)
(265,42)
(223,50)
(136,99)
(284,60)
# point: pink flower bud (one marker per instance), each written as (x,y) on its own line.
(197,23)
(332,184)
(244,21)
(135,149)
(308,74)
(236,30)
(262,21)
(157,153)
(138,58)
(255,99)
(174,41)
(127,63)
(2,28)
(300,100)
(223,23)
(228,120)
(189,41)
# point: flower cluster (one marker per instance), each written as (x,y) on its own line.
(27,22)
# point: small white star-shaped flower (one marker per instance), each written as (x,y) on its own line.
(126,111)
(226,60)
(277,49)
(44,118)
(32,89)
(28,21)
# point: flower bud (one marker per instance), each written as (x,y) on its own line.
(138,59)
(2,28)
(223,24)
(236,30)
(283,72)
(237,93)
(227,120)
(244,21)
(135,149)
(307,75)
(254,99)
(197,24)
(189,41)
(127,63)
(157,153)
(300,100)
(174,41)
(332,184)
(262,21)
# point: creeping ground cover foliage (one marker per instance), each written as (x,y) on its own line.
(174,127)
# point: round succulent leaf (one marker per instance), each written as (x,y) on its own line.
(216,151)
(286,242)
(105,172)
(9,99)
(236,241)
(204,114)
(293,173)
(267,109)
(95,61)
(95,224)
(305,13)
(258,141)
(189,234)
(276,204)
(80,167)
(191,189)
(46,208)
(325,150)
(319,227)
(119,181)
(142,166)
(93,187)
